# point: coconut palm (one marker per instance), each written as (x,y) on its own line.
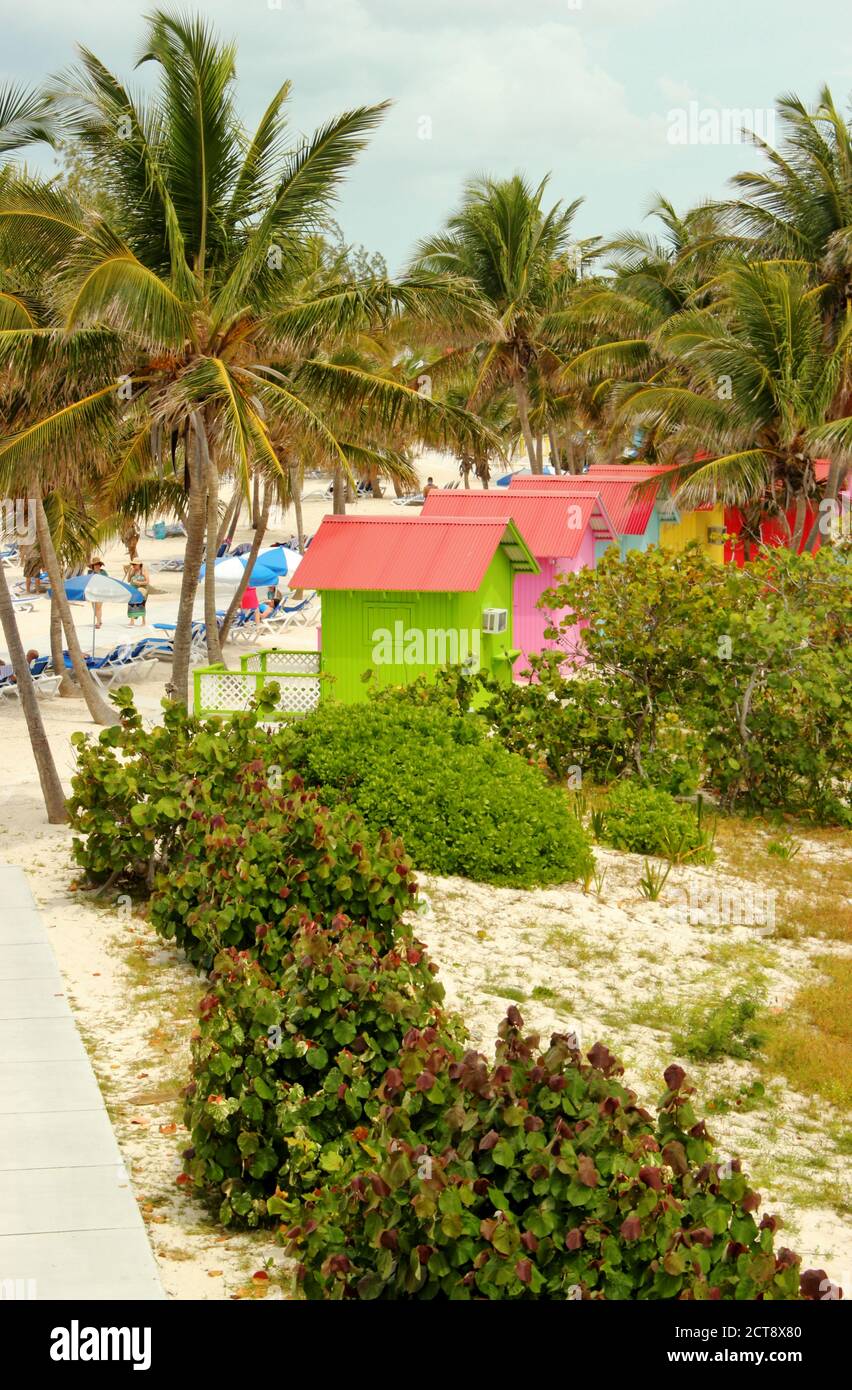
(201,275)
(754,386)
(26,116)
(47,376)
(523,262)
(800,208)
(609,329)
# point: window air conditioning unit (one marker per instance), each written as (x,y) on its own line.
(495,619)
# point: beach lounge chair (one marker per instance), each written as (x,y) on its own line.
(198,641)
(151,647)
(45,685)
(244,628)
(287,615)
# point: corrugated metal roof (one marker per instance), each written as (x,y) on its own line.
(629,515)
(552,526)
(397,554)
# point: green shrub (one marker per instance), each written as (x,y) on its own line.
(462,803)
(264,852)
(127,790)
(557,724)
(539,1177)
(753,666)
(723,1029)
(644,820)
(288,1054)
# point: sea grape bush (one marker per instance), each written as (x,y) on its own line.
(756,663)
(288,1052)
(262,852)
(644,820)
(539,1176)
(462,803)
(129,785)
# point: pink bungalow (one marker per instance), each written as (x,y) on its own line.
(561,529)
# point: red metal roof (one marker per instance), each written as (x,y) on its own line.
(552,526)
(400,554)
(630,515)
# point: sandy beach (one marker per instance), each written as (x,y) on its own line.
(600,965)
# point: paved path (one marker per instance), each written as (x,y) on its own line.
(69,1224)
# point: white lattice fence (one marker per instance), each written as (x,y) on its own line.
(298,696)
(228,692)
(282,663)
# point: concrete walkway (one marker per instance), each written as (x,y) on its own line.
(69,1224)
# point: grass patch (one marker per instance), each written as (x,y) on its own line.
(811,1042)
(549,996)
(814,897)
(504,992)
(723,1028)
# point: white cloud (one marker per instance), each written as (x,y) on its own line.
(678,93)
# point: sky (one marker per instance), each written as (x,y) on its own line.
(585,91)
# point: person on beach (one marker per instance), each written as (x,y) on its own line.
(97,567)
(136,574)
(7,672)
(249,603)
(430,483)
(31,559)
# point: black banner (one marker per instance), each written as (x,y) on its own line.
(58,1340)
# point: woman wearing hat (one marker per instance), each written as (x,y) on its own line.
(97,567)
(136,574)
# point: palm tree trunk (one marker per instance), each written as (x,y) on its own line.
(555,459)
(229,519)
(799,524)
(57,656)
(296,495)
(837,470)
(524,417)
(196,520)
(211,475)
(257,542)
(51,787)
(95,702)
(339,505)
(255,499)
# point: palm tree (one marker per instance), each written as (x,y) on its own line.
(48,378)
(523,262)
(800,209)
(609,329)
(200,275)
(753,383)
(23,117)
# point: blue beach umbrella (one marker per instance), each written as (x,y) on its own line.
(99,588)
(230,569)
(522,473)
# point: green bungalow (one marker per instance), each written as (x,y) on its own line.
(404,596)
